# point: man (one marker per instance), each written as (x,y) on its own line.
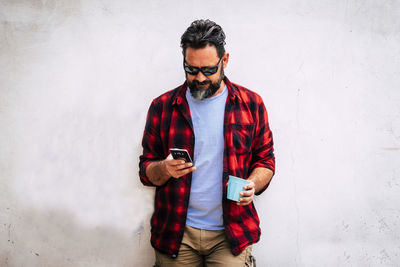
(225,129)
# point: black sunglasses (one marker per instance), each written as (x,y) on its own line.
(207,71)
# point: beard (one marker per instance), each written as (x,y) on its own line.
(201,93)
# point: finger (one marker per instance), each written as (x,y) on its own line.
(174,162)
(184,166)
(249,186)
(247,193)
(183,172)
(178,162)
(187,170)
(181,167)
(243,201)
(246,199)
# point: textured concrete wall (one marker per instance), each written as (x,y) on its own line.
(77,77)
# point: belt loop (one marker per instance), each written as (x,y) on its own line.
(253,261)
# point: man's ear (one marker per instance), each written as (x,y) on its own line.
(225,60)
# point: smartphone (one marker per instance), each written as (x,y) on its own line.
(178,153)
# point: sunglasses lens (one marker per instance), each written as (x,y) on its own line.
(209,71)
(191,70)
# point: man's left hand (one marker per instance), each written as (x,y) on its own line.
(247,196)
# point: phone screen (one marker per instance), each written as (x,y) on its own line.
(178,153)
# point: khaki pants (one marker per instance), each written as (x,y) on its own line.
(204,248)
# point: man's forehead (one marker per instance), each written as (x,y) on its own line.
(202,56)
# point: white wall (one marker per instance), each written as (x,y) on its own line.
(77,77)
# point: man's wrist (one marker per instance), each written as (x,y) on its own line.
(165,173)
(260,176)
(157,172)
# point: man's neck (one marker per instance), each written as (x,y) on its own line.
(220,89)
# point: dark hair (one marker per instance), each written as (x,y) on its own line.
(202,33)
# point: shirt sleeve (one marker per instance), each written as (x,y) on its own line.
(151,142)
(263,145)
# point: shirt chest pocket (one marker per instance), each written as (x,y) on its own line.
(242,137)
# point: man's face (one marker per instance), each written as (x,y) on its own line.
(200,85)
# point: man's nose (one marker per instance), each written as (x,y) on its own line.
(200,77)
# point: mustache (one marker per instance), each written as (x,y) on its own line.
(201,83)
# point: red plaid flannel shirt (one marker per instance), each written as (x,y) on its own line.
(248,144)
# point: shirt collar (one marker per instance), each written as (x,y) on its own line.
(232,92)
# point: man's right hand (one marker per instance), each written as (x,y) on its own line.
(177,167)
(160,172)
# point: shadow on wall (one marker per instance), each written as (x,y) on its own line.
(52,238)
